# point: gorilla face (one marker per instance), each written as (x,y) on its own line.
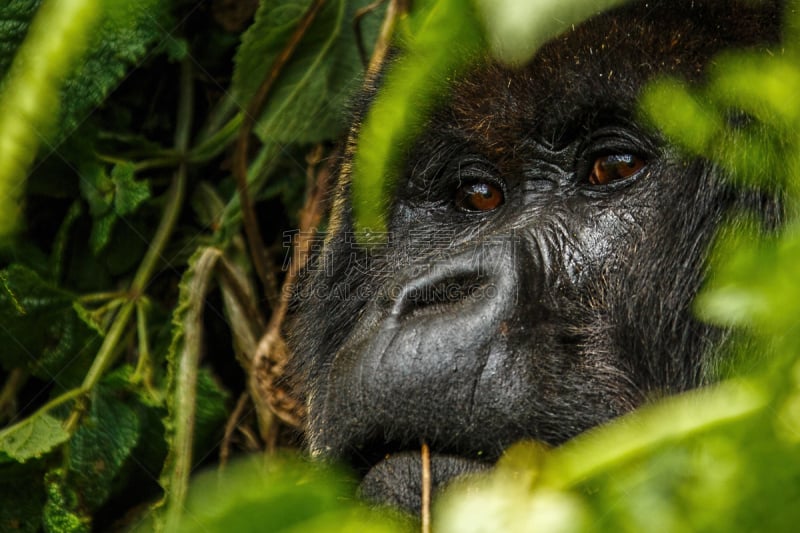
(543,252)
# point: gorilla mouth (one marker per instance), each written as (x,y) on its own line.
(397,478)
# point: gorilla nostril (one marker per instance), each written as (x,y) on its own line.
(433,293)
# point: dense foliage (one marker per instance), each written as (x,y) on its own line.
(143,144)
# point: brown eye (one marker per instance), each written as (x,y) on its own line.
(479,196)
(615,167)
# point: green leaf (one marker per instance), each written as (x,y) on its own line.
(517,29)
(306,102)
(97,189)
(124,35)
(62,513)
(772,99)
(41,330)
(110,197)
(102,226)
(696,462)
(754,277)
(129,193)
(32,438)
(30,94)
(412,86)
(262,42)
(211,413)
(103,441)
(280,495)
(681,116)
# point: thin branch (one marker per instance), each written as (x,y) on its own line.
(395,9)
(271,356)
(8,396)
(360,14)
(246,319)
(254,239)
(425,513)
(230,427)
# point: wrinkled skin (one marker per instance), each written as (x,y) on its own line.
(566,305)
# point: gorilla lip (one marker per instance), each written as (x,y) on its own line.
(397,479)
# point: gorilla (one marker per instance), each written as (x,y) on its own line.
(544,245)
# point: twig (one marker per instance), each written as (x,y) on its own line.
(271,357)
(230,427)
(8,397)
(246,326)
(425,513)
(144,365)
(254,239)
(395,9)
(360,14)
(245,317)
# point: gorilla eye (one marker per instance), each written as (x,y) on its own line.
(615,167)
(479,196)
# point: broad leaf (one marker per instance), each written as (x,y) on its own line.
(32,438)
(103,441)
(110,197)
(125,34)
(280,495)
(41,329)
(305,102)
(62,512)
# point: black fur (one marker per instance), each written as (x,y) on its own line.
(571,303)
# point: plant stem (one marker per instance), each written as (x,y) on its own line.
(426,489)
(8,396)
(216,143)
(100,297)
(144,366)
(220,118)
(175,196)
(252,232)
(184,396)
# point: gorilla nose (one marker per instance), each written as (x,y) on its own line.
(481,277)
(441,290)
(428,356)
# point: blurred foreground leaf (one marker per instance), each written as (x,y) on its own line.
(410,89)
(277,494)
(517,29)
(29,95)
(723,459)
